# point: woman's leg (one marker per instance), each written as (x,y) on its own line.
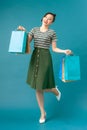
(40,100)
(53,90)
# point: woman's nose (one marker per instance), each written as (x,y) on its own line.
(46,19)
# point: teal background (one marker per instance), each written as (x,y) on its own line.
(18,105)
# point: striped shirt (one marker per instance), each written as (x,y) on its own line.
(43,39)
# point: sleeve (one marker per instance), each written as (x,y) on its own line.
(54,37)
(31,32)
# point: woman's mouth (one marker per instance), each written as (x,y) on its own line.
(45,22)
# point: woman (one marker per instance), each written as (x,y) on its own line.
(40,73)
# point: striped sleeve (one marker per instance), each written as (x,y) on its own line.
(32,32)
(54,37)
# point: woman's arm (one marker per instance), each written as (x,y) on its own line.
(28,43)
(55,49)
(23,29)
(28,40)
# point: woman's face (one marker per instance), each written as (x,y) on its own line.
(48,19)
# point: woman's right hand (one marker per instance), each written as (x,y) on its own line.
(21,28)
(68,52)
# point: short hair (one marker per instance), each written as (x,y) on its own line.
(54,15)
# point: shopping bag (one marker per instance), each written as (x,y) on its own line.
(70,68)
(60,69)
(18,42)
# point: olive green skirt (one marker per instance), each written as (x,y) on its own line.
(40,73)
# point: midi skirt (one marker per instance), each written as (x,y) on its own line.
(40,73)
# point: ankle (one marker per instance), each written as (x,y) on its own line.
(43,113)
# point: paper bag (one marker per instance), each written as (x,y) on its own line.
(18,42)
(70,69)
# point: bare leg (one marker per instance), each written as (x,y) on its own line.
(40,100)
(53,90)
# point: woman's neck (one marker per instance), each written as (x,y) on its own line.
(44,28)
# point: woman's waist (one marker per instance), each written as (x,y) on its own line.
(41,48)
(41,45)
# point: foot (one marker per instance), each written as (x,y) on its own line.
(57,93)
(42,118)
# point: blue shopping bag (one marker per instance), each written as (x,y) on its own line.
(60,69)
(70,70)
(18,42)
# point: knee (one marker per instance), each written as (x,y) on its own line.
(39,91)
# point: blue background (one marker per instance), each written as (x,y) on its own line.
(18,105)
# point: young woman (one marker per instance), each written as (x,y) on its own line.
(40,73)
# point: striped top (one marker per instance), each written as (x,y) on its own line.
(43,39)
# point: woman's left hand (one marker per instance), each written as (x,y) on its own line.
(68,52)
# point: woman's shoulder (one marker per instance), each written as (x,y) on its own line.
(52,31)
(35,28)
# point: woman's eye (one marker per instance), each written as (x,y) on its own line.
(48,18)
